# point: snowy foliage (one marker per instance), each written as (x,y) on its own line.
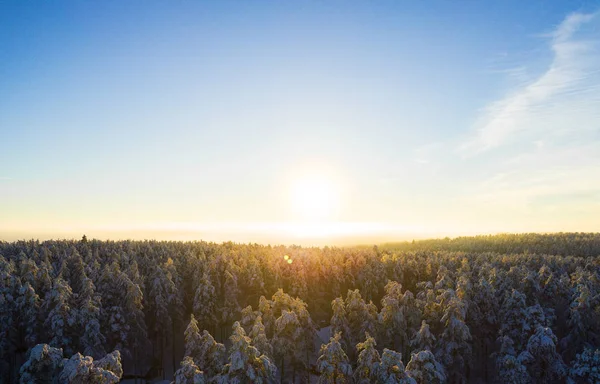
(391,369)
(60,316)
(259,338)
(368,361)
(43,362)
(211,355)
(423,339)
(454,348)
(424,368)
(333,363)
(246,364)
(544,363)
(586,367)
(205,301)
(189,373)
(450,297)
(193,340)
(81,369)
(510,368)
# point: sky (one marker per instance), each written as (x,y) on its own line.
(298,122)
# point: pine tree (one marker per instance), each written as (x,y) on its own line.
(112,314)
(28,310)
(368,361)
(193,340)
(424,339)
(359,319)
(514,319)
(81,369)
(247,317)
(287,334)
(333,363)
(392,316)
(87,312)
(483,323)
(189,373)
(246,365)
(212,355)
(545,365)
(307,334)
(259,338)
(60,317)
(230,307)
(43,365)
(339,322)
(454,349)
(586,367)
(424,368)
(163,294)
(266,311)
(391,369)
(509,367)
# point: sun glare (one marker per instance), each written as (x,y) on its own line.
(314,198)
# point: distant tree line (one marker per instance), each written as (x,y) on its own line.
(499,309)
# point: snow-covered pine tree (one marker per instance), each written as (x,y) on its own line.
(112,314)
(60,317)
(43,365)
(514,318)
(205,303)
(391,369)
(509,368)
(212,355)
(424,339)
(247,317)
(367,362)
(583,324)
(287,334)
(162,293)
(305,346)
(81,369)
(544,364)
(392,316)
(586,367)
(87,312)
(28,312)
(483,322)
(193,340)
(8,321)
(259,338)
(410,308)
(333,363)
(230,308)
(444,279)
(360,320)
(425,369)
(246,365)
(454,348)
(188,373)
(175,301)
(265,308)
(339,322)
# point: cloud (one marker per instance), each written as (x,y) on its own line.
(563,99)
(533,156)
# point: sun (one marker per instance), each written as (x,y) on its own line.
(314,198)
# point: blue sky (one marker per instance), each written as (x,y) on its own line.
(192,119)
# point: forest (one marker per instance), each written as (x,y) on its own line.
(487,309)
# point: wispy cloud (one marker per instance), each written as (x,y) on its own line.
(533,157)
(565,98)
